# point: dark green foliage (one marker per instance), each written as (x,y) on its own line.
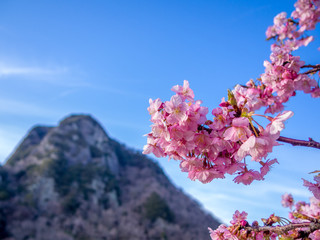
(70,203)
(20,153)
(61,145)
(104,202)
(156,207)
(134,158)
(78,177)
(3,223)
(95,152)
(79,140)
(58,140)
(164,236)
(61,140)
(5,191)
(4,194)
(29,200)
(58,170)
(33,138)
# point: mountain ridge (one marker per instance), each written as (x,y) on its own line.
(75,182)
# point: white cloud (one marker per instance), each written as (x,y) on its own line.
(6,70)
(56,75)
(8,106)
(282,188)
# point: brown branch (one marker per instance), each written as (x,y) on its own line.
(312,71)
(296,142)
(311,66)
(312,226)
(315,68)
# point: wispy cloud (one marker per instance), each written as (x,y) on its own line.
(277,188)
(6,70)
(56,75)
(9,106)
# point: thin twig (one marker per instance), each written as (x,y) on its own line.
(310,66)
(315,68)
(296,142)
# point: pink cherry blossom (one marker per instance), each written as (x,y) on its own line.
(177,109)
(221,233)
(316,92)
(304,83)
(220,119)
(239,130)
(313,187)
(315,235)
(247,177)
(277,123)
(256,147)
(280,19)
(287,200)
(267,166)
(238,217)
(154,109)
(184,91)
(247,97)
(279,55)
(209,149)
(153,147)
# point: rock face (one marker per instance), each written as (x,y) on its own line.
(73,182)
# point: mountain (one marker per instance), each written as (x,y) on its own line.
(73,182)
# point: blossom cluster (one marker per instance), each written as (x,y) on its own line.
(239,229)
(281,80)
(281,74)
(303,213)
(210,149)
(299,225)
(313,187)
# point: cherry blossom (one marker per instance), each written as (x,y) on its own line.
(277,123)
(209,147)
(313,187)
(184,91)
(238,217)
(287,200)
(239,130)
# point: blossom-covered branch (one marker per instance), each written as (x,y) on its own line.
(304,223)
(210,148)
(309,227)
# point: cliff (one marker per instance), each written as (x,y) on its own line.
(73,182)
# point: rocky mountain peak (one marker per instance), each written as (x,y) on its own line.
(89,127)
(73,182)
(78,138)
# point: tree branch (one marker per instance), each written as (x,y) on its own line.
(296,142)
(311,66)
(312,226)
(315,68)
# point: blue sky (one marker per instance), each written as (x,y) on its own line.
(107,58)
